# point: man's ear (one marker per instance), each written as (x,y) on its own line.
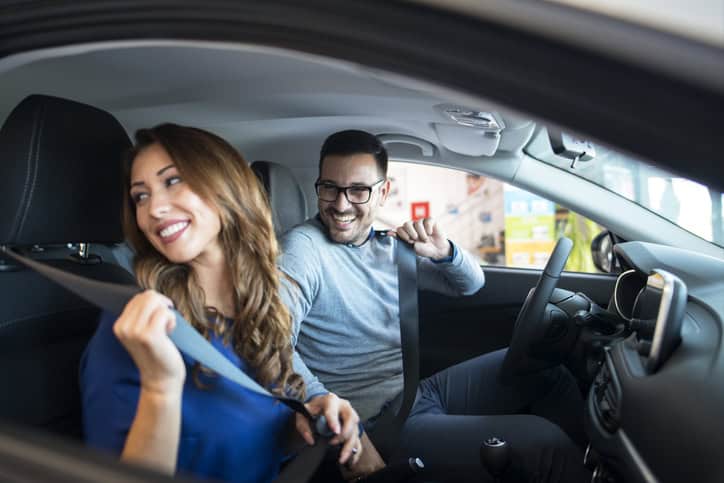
(385,191)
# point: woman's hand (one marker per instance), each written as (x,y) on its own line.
(335,410)
(143,329)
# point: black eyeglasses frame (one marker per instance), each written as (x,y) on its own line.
(343,189)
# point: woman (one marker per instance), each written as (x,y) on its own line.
(201,229)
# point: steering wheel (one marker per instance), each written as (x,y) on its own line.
(528,328)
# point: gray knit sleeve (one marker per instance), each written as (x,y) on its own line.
(460,276)
(299,287)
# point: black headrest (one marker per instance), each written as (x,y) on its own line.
(289,207)
(60,174)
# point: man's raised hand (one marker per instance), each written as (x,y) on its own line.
(426,236)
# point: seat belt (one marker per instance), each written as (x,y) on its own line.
(114,297)
(388,426)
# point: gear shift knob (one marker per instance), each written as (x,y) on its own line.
(495,456)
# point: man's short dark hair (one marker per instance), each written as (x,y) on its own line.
(352,141)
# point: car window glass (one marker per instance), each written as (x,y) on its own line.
(690,205)
(497,223)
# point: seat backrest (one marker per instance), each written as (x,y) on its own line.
(59,185)
(289,206)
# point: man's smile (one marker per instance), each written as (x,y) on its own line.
(342,220)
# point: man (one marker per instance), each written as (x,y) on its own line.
(344,303)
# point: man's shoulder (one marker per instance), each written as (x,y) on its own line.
(310,230)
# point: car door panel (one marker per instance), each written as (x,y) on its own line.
(454,329)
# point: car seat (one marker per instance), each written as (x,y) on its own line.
(289,206)
(60,182)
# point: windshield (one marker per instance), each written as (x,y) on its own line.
(690,205)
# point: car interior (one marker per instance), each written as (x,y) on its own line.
(644,336)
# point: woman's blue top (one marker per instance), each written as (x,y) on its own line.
(227,431)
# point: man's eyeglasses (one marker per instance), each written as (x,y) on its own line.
(357,194)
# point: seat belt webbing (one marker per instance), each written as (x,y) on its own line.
(114,297)
(387,428)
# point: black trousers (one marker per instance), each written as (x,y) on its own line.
(539,415)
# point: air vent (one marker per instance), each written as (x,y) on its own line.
(607,397)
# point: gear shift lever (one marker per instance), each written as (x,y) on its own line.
(495,457)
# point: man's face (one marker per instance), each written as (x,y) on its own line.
(348,222)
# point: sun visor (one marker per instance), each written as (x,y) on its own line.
(471,132)
(402,147)
(467,141)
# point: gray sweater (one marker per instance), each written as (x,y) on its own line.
(345,309)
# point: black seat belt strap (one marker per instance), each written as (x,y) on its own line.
(114,297)
(387,428)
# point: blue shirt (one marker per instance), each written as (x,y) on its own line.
(227,431)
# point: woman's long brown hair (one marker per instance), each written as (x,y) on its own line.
(260,332)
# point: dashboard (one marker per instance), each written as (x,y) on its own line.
(654,410)
(655,314)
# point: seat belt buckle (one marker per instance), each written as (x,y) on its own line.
(322,428)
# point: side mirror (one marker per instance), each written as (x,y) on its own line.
(602,252)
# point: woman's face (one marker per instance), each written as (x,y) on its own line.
(176,221)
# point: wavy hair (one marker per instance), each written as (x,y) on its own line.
(260,332)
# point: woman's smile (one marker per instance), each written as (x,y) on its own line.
(177,221)
(171,230)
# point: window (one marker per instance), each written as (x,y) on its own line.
(690,205)
(497,223)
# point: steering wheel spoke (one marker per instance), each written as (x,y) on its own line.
(529,330)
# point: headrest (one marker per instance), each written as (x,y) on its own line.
(60,173)
(289,207)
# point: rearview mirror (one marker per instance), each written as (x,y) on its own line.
(569,147)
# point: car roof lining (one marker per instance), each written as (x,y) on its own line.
(295,97)
(251,96)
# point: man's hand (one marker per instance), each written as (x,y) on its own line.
(426,237)
(335,410)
